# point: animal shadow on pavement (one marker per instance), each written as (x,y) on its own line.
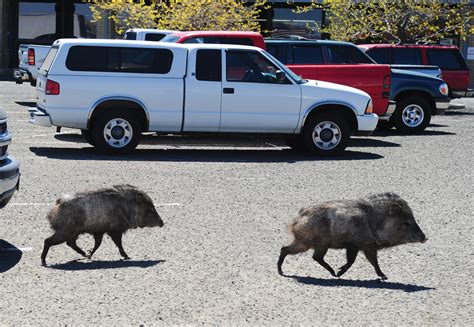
(9,256)
(95,265)
(374,283)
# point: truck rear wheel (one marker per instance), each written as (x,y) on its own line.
(326,134)
(412,115)
(116,132)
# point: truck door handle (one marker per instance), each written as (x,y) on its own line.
(228,90)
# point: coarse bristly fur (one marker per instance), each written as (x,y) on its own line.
(112,210)
(368,224)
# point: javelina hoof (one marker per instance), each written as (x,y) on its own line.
(383,277)
(126,258)
(43,263)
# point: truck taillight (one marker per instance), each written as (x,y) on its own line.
(387,83)
(52,87)
(31,57)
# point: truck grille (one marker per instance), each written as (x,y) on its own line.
(3,128)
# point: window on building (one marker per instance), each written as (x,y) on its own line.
(209,65)
(37,21)
(406,56)
(84,27)
(285,21)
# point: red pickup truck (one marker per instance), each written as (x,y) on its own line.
(453,65)
(301,58)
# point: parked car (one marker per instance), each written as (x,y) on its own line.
(146,34)
(452,63)
(115,90)
(9,167)
(417,96)
(30,58)
(217,37)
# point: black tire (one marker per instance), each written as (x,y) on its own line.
(295,142)
(127,124)
(412,115)
(87,135)
(333,136)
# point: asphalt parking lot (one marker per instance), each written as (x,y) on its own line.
(226,204)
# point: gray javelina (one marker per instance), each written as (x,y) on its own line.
(368,224)
(111,210)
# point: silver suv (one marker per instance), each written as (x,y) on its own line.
(9,167)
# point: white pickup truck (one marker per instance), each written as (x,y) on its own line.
(113,90)
(30,58)
(146,34)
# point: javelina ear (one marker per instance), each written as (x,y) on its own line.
(395,209)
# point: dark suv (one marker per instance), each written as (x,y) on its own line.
(452,63)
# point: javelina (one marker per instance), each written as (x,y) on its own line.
(368,224)
(111,210)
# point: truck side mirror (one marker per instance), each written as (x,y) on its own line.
(280,76)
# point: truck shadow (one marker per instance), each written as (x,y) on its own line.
(94,265)
(199,155)
(373,284)
(459,113)
(9,256)
(426,132)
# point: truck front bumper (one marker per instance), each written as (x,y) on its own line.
(392,105)
(9,179)
(442,104)
(469,93)
(39,117)
(21,75)
(367,124)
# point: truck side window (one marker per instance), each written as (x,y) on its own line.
(446,59)
(251,67)
(380,55)
(209,65)
(406,56)
(154,36)
(347,54)
(304,54)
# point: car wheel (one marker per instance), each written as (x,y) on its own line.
(412,115)
(326,134)
(87,135)
(116,132)
(294,141)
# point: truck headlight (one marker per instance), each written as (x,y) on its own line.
(443,89)
(370,107)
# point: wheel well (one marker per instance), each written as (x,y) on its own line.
(422,94)
(347,112)
(128,105)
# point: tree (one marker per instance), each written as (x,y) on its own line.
(185,15)
(395,21)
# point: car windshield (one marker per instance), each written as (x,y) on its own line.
(288,71)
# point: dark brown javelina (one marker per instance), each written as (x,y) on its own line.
(369,224)
(111,210)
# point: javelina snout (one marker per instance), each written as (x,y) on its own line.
(111,210)
(368,225)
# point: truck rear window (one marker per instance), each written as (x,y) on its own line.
(49,59)
(446,59)
(118,59)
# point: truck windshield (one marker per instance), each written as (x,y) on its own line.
(295,77)
(49,59)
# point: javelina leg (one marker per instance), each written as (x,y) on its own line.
(72,244)
(371,255)
(117,238)
(97,241)
(351,254)
(318,256)
(293,248)
(55,239)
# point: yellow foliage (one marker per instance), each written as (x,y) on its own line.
(395,20)
(185,15)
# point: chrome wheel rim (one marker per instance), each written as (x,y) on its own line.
(413,115)
(326,135)
(118,133)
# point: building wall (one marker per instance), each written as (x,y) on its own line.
(4,51)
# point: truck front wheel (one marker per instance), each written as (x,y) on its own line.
(412,115)
(116,132)
(326,134)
